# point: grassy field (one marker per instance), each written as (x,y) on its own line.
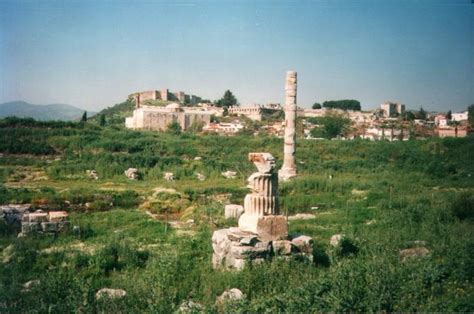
(383,196)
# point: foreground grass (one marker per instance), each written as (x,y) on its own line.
(382,196)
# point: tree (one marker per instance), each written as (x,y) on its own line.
(174,128)
(84,117)
(102,120)
(449,115)
(422,113)
(333,124)
(316,106)
(344,104)
(227,100)
(470,115)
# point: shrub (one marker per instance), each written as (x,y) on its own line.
(463,206)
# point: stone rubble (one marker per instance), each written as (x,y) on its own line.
(12,214)
(230,295)
(110,293)
(190,306)
(132,173)
(229,174)
(169,176)
(92,174)
(262,232)
(336,239)
(27,286)
(413,253)
(42,222)
(302,217)
(200,176)
(234,247)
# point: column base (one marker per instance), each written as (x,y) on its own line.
(286,174)
(268,228)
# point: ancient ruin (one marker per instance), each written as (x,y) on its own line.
(262,231)
(44,222)
(288,169)
(261,210)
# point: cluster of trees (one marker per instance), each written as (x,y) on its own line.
(332,125)
(344,104)
(227,100)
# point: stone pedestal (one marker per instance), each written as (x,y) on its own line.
(262,231)
(234,248)
(268,228)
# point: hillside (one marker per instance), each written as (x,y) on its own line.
(385,197)
(23,109)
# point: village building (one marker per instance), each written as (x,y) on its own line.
(255,112)
(459,116)
(391,109)
(390,134)
(224,128)
(451,131)
(440,120)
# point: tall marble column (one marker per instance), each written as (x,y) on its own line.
(288,169)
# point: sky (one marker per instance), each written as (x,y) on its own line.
(92,54)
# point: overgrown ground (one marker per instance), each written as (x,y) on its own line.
(383,196)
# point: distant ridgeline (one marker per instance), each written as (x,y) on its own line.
(23,109)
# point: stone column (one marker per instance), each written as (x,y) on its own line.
(288,169)
(261,210)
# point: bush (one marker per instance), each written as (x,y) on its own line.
(463,206)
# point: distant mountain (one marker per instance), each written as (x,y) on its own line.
(23,109)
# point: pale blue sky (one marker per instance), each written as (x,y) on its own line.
(92,54)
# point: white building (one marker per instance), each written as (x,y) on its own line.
(459,116)
(157,118)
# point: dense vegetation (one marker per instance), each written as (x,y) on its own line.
(345,104)
(384,196)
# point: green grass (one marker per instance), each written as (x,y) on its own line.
(382,196)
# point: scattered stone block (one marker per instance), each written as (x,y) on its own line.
(233,211)
(110,293)
(92,174)
(282,247)
(229,174)
(413,253)
(13,214)
(132,173)
(30,227)
(169,176)
(27,286)
(200,176)
(197,158)
(49,227)
(190,306)
(230,295)
(336,239)
(36,217)
(303,243)
(58,216)
(302,217)
(271,227)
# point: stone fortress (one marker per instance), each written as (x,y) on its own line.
(158,118)
(166,95)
